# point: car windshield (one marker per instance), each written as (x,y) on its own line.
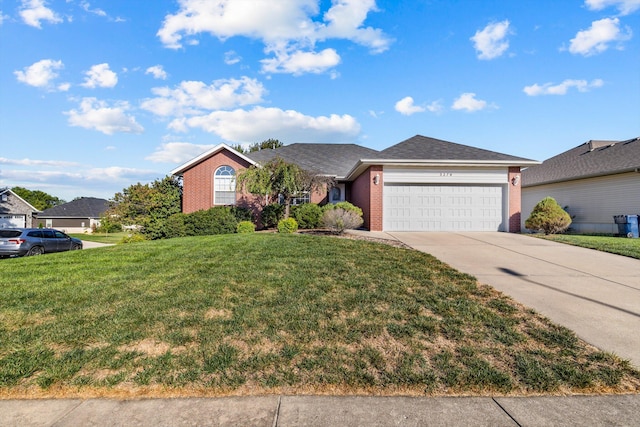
(10,233)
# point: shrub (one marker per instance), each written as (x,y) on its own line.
(246,227)
(216,220)
(242,214)
(337,220)
(271,214)
(133,238)
(288,225)
(175,226)
(308,215)
(549,217)
(108,225)
(343,205)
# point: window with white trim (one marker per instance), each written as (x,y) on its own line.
(224,186)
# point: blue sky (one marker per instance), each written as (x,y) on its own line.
(98,95)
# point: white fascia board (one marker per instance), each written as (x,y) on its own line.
(180,169)
(364,163)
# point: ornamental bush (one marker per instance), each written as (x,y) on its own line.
(246,227)
(308,215)
(338,220)
(549,217)
(288,225)
(271,214)
(343,205)
(216,220)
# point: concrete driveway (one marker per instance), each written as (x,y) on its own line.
(593,293)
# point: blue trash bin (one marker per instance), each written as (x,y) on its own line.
(627,225)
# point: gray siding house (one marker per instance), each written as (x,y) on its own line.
(593,182)
(78,216)
(15,211)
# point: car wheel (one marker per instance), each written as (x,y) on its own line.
(76,247)
(36,250)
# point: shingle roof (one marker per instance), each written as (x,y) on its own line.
(84,207)
(327,159)
(423,148)
(593,158)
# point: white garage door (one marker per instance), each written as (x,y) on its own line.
(12,221)
(422,207)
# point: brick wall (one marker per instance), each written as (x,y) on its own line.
(368,196)
(198,182)
(515,200)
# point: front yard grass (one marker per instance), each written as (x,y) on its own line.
(615,245)
(269,313)
(101,237)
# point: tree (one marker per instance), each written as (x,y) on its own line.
(548,216)
(148,206)
(278,178)
(38,199)
(269,144)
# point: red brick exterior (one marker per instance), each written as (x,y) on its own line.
(368,196)
(197,182)
(515,199)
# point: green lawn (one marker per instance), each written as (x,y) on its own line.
(614,245)
(101,237)
(270,313)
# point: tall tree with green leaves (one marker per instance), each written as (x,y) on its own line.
(279,178)
(148,205)
(268,144)
(38,199)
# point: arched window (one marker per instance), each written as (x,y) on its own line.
(224,186)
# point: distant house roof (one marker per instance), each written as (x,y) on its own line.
(84,207)
(591,159)
(326,159)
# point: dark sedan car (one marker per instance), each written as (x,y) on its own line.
(35,241)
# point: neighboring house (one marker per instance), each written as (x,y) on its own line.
(593,182)
(79,216)
(14,210)
(420,184)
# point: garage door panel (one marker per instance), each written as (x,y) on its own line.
(428,207)
(12,221)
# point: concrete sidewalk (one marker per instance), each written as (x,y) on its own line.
(593,293)
(280,411)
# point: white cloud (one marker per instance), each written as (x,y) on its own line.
(40,74)
(562,88)
(3,17)
(158,72)
(469,103)
(625,7)
(33,162)
(177,152)
(191,97)
(35,11)
(97,115)
(286,27)
(491,42)
(299,62)
(246,126)
(100,76)
(87,7)
(406,107)
(597,38)
(231,57)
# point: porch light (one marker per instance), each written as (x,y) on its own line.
(376,179)
(515,180)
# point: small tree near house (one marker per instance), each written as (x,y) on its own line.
(278,178)
(549,217)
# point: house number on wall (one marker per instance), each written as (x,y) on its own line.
(446,174)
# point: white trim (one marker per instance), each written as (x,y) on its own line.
(222,146)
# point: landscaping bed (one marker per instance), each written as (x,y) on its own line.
(268,313)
